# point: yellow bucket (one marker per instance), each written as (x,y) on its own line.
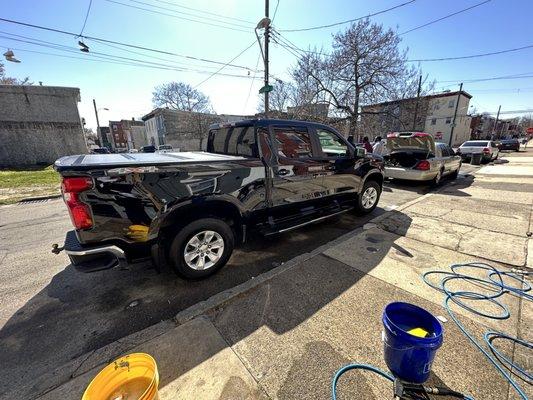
(132,377)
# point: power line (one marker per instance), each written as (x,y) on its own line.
(228,63)
(192,15)
(493,78)
(86,16)
(275,12)
(175,16)
(472,55)
(120,43)
(348,21)
(202,11)
(251,84)
(445,17)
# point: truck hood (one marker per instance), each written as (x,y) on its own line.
(93,161)
(411,143)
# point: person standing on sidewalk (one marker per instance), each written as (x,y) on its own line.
(367,145)
(377,148)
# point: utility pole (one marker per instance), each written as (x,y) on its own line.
(267,37)
(455,113)
(417,100)
(98,133)
(496,123)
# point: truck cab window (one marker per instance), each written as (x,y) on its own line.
(293,142)
(331,145)
(236,141)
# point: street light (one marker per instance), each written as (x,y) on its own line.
(98,132)
(10,56)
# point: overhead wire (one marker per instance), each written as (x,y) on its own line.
(86,17)
(472,55)
(224,66)
(175,16)
(193,15)
(445,17)
(129,45)
(202,11)
(349,20)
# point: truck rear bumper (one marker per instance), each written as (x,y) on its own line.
(90,258)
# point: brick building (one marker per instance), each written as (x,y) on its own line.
(127,134)
(39,124)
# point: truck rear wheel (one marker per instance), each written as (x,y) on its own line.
(201,248)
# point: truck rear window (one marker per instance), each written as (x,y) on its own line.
(236,141)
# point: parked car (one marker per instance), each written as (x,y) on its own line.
(488,149)
(190,209)
(415,156)
(509,144)
(148,149)
(133,151)
(100,150)
(165,148)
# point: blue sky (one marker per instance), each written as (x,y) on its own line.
(127,90)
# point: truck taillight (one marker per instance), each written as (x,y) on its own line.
(80,214)
(423,165)
(486,150)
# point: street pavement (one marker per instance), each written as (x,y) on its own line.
(52,316)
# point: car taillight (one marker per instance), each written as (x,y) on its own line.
(80,214)
(486,150)
(423,165)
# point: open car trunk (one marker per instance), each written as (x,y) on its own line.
(405,158)
(406,149)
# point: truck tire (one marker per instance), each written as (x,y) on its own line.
(368,200)
(201,248)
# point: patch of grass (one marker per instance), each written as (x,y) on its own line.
(19,178)
(20,184)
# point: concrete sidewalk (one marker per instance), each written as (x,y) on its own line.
(283,335)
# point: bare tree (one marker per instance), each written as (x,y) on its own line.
(183,97)
(6,80)
(365,67)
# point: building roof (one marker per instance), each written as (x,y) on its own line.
(431,96)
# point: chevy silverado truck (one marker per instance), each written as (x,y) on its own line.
(188,210)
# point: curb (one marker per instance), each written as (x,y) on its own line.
(28,199)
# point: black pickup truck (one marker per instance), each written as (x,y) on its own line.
(188,210)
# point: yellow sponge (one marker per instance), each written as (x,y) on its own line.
(419,332)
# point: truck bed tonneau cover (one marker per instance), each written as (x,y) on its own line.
(92,161)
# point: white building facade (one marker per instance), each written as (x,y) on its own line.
(439,117)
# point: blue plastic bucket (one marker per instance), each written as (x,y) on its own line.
(410,357)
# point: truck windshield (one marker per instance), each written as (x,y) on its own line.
(236,141)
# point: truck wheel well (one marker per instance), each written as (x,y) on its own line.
(225,211)
(377,177)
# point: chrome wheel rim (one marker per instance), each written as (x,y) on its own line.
(203,250)
(370,195)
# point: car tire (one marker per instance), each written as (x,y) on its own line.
(193,253)
(438,179)
(368,199)
(455,174)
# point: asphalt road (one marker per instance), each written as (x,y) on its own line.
(50,314)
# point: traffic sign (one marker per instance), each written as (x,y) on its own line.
(266,88)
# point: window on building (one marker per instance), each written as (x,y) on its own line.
(451,103)
(448,120)
(114,127)
(433,121)
(436,106)
(293,142)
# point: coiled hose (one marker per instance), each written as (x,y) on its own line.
(495,279)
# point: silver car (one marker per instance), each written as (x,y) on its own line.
(487,148)
(415,156)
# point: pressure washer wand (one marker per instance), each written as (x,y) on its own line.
(402,389)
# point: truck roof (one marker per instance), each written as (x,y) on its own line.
(266,122)
(94,161)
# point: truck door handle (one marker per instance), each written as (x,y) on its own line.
(283,172)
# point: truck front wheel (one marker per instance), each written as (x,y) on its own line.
(369,197)
(201,248)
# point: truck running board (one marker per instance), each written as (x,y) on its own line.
(312,221)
